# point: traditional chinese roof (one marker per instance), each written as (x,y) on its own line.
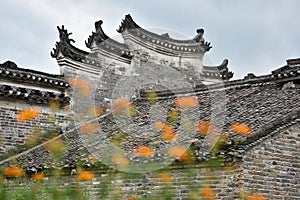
(33,95)
(289,72)
(9,70)
(31,86)
(161,43)
(64,47)
(221,71)
(99,42)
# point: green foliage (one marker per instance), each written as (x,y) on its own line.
(39,192)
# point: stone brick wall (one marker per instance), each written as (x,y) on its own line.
(186,182)
(273,167)
(15,135)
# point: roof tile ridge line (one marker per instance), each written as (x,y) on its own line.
(35,72)
(281,121)
(53,139)
(196,91)
(129,24)
(21,69)
(214,87)
(55,80)
(259,79)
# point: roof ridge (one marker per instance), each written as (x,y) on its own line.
(267,131)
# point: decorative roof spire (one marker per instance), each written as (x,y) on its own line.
(65,47)
(64,35)
(63,40)
(127,24)
(9,65)
(199,38)
(98,36)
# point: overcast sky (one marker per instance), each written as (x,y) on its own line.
(256,36)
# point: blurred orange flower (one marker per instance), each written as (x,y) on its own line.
(256,197)
(165,177)
(208,193)
(144,151)
(27,114)
(167,130)
(38,177)
(85,176)
(89,128)
(121,104)
(13,171)
(203,127)
(241,128)
(178,152)
(81,85)
(169,136)
(120,160)
(186,102)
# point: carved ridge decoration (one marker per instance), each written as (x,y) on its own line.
(127,24)
(98,36)
(130,28)
(65,47)
(103,41)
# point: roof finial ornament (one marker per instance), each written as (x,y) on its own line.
(98,25)
(199,38)
(64,35)
(9,64)
(63,41)
(127,24)
(96,37)
(65,47)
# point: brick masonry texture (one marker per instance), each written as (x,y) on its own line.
(15,134)
(187,182)
(273,167)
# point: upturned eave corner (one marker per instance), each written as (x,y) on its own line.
(65,48)
(96,37)
(127,24)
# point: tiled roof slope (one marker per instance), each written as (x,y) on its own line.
(264,105)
